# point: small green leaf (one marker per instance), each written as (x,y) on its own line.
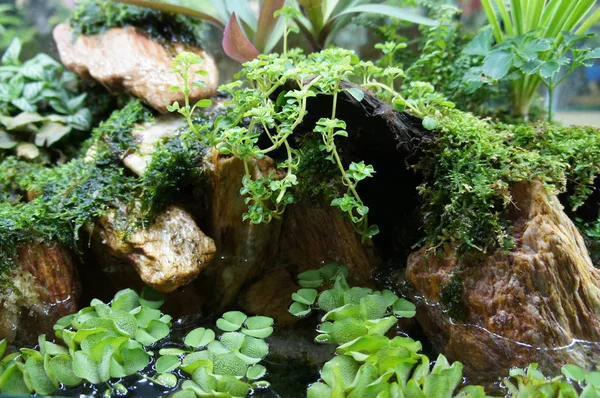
(299,309)
(356,92)
(199,337)
(166,379)
(256,372)
(61,367)
(134,360)
(404,308)
(39,379)
(125,300)
(497,64)
(167,363)
(3,345)
(573,372)
(429,123)
(305,296)
(593,378)
(231,321)
(86,368)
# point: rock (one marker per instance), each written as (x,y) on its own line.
(245,249)
(147,136)
(125,58)
(539,302)
(45,287)
(167,254)
(314,234)
(271,296)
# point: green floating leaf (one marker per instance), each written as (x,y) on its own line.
(12,382)
(166,379)
(404,308)
(196,360)
(573,372)
(593,378)
(305,296)
(3,345)
(254,348)
(155,331)
(125,322)
(167,363)
(299,309)
(61,367)
(171,351)
(39,379)
(199,337)
(347,329)
(86,368)
(258,326)
(232,340)
(134,360)
(233,386)
(229,364)
(329,271)
(256,372)
(231,321)
(151,298)
(310,279)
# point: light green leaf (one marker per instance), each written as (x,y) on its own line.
(199,337)
(256,372)
(167,363)
(125,300)
(299,309)
(61,367)
(134,360)
(231,321)
(404,308)
(497,64)
(86,368)
(305,296)
(573,372)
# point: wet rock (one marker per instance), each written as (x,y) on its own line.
(127,59)
(271,296)
(539,302)
(314,234)
(244,249)
(45,287)
(168,253)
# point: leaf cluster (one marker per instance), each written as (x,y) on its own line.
(530,382)
(369,364)
(39,103)
(13,26)
(97,344)
(227,366)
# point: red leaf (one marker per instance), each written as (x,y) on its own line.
(235,43)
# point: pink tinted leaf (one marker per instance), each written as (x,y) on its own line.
(235,43)
(266,21)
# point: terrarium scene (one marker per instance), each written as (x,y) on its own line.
(300,198)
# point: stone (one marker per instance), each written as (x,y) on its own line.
(245,249)
(314,234)
(168,253)
(45,287)
(539,302)
(271,296)
(127,59)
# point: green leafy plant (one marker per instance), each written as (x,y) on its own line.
(246,35)
(530,382)
(225,366)
(99,343)
(532,39)
(39,104)
(369,364)
(12,26)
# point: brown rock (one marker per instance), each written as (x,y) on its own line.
(271,296)
(125,58)
(167,254)
(45,287)
(539,302)
(314,234)
(245,249)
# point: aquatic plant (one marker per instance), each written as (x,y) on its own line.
(532,41)
(227,365)
(105,343)
(530,382)
(97,344)
(369,363)
(39,103)
(245,35)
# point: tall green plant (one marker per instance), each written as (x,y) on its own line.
(532,38)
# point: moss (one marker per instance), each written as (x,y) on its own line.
(451,297)
(66,197)
(113,138)
(175,163)
(475,162)
(317,176)
(96,16)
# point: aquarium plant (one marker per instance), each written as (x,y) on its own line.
(39,103)
(103,344)
(246,35)
(533,41)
